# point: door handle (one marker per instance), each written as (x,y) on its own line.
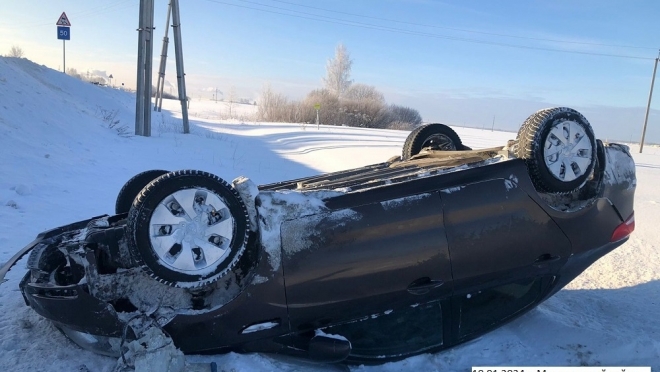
(424,285)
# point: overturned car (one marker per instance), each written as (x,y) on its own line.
(416,254)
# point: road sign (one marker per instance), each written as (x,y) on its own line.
(63,21)
(63,33)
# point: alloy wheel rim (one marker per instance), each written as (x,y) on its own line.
(439,142)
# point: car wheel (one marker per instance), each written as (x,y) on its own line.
(187,228)
(559,148)
(133,187)
(435,136)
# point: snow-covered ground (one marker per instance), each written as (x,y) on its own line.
(62,160)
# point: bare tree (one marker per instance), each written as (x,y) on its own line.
(338,71)
(271,105)
(403,118)
(73,72)
(362,106)
(16,52)
(363,92)
(406,114)
(329,106)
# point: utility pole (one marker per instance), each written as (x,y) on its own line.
(160,85)
(145,52)
(149,59)
(139,88)
(180,75)
(648,105)
(144,67)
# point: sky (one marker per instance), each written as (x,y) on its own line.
(476,63)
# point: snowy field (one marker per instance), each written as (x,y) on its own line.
(62,159)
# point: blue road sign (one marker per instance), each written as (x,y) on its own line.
(63,33)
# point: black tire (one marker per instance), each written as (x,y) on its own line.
(133,187)
(559,148)
(436,136)
(185,244)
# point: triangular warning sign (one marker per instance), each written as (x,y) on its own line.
(63,21)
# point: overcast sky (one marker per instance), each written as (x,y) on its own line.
(460,62)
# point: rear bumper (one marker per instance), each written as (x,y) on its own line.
(578,263)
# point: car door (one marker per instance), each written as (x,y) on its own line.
(370,272)
(505,251)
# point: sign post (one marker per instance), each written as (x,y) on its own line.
(64,34)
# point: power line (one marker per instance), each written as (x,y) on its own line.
(315,17)
(455,29)
(102,8)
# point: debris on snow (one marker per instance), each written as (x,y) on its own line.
(153,351)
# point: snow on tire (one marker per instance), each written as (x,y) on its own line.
(436,136)
(188,228)
(559,148)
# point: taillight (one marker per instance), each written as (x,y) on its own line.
(625,229)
